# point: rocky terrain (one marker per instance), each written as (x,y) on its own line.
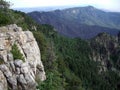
(20,59)
(69,63)
(106,51)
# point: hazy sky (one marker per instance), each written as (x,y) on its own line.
(112,5)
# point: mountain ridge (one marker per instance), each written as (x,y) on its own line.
(79,19)
(69,63)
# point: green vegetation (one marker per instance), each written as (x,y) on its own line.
(4,17)
(67,61)
(8,16)
(71,59)
(4,4)
(1,61)
(16,53)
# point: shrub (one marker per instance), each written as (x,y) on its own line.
(1,61)
(16,53)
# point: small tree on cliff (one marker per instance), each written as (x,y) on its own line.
(4,4)
(6,14)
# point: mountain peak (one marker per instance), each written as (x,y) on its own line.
(79,21)
(90,7)
(85,7)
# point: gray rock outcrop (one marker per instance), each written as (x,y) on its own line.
(3,82)
(106,51)
(18,74)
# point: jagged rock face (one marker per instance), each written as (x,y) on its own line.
(3,82)
(106,51)
(20,74)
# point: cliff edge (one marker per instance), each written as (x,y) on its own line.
(20,59)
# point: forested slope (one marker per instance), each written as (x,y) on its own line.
(70,63)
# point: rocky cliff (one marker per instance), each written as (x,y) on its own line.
(20,59)
(106,50)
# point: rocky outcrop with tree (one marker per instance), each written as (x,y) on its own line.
(20,59)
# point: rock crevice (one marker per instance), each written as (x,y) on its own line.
(17,74)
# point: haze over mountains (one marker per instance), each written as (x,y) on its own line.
(84,22)
(41,9)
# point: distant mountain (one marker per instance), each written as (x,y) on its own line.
(41,9)
(84,22)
